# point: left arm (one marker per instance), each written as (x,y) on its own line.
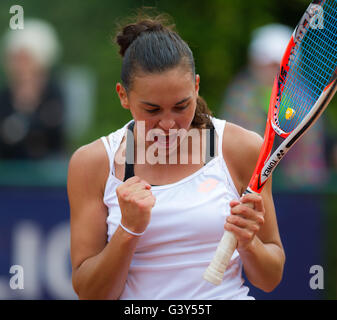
(259,243)
(256,230)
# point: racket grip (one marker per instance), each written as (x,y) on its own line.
(223,254)
(216,269)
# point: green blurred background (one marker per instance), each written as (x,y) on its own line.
(218,32)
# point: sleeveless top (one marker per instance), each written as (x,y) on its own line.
(187,223)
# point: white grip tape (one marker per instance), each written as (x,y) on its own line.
(223,254)
(215,271)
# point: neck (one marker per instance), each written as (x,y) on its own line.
(186,150)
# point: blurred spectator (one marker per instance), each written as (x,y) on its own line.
(246,103)
(31,106)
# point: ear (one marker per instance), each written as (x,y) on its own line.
(197,81)
(123,97)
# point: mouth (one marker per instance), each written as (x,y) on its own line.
(165,141)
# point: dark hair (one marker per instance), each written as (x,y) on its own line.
(148,46)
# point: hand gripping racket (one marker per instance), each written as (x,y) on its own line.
(302,90)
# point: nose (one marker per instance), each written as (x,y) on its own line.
(166,124)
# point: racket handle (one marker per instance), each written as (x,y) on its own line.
(223,254)
(216,269)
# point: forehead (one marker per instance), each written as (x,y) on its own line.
(174,83)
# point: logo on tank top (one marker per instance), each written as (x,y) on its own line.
(208,185)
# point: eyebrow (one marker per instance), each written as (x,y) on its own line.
(158,106)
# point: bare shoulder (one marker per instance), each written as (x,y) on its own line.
(90,164)
(234,136)
(241,149)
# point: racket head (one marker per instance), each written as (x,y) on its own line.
(304,86)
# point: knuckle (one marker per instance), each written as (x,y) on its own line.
(125,194)
(234,210)
(232,219)
(255,228)
(260,220)
(249,204)
(244,210)
(237,220)
(122,193)
(238,210)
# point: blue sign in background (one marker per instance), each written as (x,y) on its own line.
(301,222)
(34,233)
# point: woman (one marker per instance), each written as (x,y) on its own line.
(148,229)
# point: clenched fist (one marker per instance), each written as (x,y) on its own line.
(136,202)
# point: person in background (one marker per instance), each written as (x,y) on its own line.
(31,104)
(246,103)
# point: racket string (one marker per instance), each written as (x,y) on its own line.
(310,71)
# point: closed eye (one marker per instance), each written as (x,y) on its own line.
(177,107)
(152,110)
(182,107)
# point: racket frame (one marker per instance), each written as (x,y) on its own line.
(267,162)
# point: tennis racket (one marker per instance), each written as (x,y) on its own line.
(302,90)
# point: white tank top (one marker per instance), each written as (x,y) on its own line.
(187,223)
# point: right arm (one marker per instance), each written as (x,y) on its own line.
(99,268)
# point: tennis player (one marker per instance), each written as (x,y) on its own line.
(147,229)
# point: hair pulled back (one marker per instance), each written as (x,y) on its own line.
(150,45)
